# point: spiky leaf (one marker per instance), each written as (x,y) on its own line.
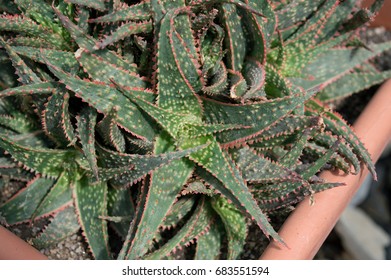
(90,201)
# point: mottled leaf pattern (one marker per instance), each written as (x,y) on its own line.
(64,224)
(21,207)
(59,197)
(173,125)
(91,201)
(235,225)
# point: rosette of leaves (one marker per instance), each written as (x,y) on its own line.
(175,122)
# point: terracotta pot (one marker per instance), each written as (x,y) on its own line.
(308,226)
(14,248)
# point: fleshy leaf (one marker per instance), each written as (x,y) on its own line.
(65,60)
(220,166)
(124,31)
(86,122)
(165,184)
(134,12)
(208,244)
(22,205)
(63,224)
(49,162)
(235,225)
(320,71)
(338,126)
(259,115)
(255,168)
(91,202)
(351,83)
(94,4)
(130,168)
(110,131)
(195,226)
(57,120)
(59,196)
(120,204)
(178,76)
(100,69)
(178,210)
(104,98)
(31,89)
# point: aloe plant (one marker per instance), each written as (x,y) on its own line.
(201,117)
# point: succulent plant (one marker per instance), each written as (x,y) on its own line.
(192,117)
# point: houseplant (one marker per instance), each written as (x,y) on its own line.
(187,117)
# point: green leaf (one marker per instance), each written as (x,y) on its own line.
(296,12)
(20,24)
(86,122)
(327,140)
(93,4)
(87,42)
(315,166)
(31,89)
(254,73)
(110,132)
(338,126)
(56,119)
(258,115)
(49,162)
(259,30)
(165,184)
(179,209)
(234,34)
(284,132)
(63,224)
(26,75)
(63,59)
(18,123)
(218,83)
(221,167)
(238,85)
(126,169)
(350,84)
(23,204)
(84,18)
(255,168)
(91,202)
(59,196)
(101,69)
(209,244)
(120,204)
(277,196)
(124,31)
(291,158)
(315,151)
(180,126)
(140,11)
(103,98)
(235,225)
(39,10)
(323,71)
(193,228)
(177,78)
